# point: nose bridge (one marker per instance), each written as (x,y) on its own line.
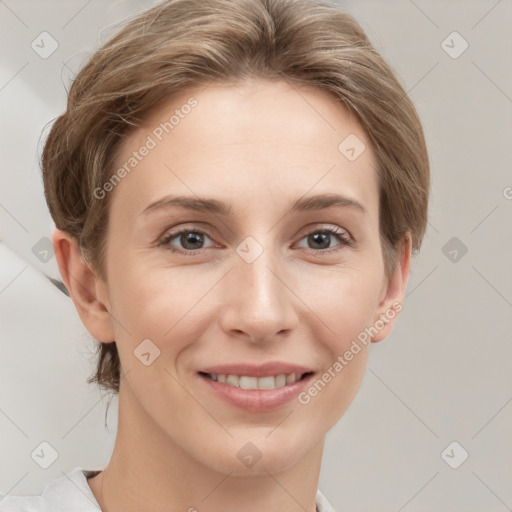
(258,302)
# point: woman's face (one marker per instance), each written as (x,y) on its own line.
(252,271)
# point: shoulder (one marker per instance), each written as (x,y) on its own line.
(68,492)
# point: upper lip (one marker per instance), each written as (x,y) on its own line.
(254,370)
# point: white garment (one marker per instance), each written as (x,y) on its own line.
(71,493)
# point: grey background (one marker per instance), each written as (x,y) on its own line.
(443,375)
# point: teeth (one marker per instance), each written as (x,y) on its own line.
(233,380)
(264,383)
(245,382)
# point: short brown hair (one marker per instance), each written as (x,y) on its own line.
(185,43)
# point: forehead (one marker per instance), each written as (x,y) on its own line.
(248,140)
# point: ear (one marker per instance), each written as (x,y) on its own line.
(88,292)
(393,292)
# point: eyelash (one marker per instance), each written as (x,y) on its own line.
(343,237)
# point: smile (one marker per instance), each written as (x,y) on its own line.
(256,394)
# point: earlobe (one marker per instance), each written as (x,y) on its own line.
(393,299)
(83,285)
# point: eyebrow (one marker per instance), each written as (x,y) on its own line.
(204,204)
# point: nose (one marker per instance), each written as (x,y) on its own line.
(259,304)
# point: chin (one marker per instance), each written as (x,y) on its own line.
(260,454)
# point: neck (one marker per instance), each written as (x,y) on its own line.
(148,470)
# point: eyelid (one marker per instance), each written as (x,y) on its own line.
(325,226)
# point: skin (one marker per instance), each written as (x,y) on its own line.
(259,147)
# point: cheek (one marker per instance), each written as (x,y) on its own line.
(345,306)
(343,300)
(156,303)
(157,316)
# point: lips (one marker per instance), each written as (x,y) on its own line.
(239,384)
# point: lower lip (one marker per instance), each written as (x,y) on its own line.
(257,400)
